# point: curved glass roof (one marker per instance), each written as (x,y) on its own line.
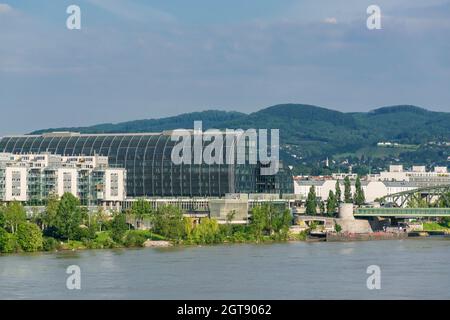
(150,171)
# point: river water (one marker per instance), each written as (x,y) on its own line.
(298,270)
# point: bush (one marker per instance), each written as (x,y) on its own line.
(83,233)
(302,236)
(118,228)
(134,239)
(29,237)
(50,244)
(338,228)
(8,242)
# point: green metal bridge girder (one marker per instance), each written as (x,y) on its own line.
(402,212)
(405,196)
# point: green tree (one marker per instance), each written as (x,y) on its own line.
(101,218)
(331,204)
(281,222)
(347,190)
(443,202)
(14,214)
(359,197)
(8,242)
(29,237)
(49,216)
(338,194)
(311,202)
(188,228)
(322,207)
(417,201)
(229,227)
(2,216)
(69,216)
(140,209)
(168,221)
(258,222)
(118,227)
(206,231)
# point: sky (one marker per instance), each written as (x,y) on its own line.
(155,58)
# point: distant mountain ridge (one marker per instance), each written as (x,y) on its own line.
(313,131)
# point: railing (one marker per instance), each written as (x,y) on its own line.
(403,211)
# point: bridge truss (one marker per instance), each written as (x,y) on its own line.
(426,193)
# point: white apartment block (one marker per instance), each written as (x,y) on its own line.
(375,186)
(32,178)
(418,174)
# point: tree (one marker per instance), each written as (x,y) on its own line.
(140,209)
(259,222)
(2,215)
(338,193)
(101,218)
(311,202)
(417,201)
(207,231)
(14,214)
(168,221)
(188,227)
(281,222)
(118,227)
(322,207)
(347,190)
(69,216)
(49,216)
(443,202)
(29,237)
(360,198)
(8,242)
(331,204)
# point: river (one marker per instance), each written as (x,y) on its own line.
(413,268)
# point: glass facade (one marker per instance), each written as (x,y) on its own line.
(150,171)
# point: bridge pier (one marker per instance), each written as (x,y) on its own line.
(347,221)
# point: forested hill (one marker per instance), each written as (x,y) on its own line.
(308,131)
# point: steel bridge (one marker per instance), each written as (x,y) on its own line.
(402,212)
(426,193)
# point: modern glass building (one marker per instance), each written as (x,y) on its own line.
(150,170)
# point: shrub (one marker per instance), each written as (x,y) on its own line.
(29,237)
(8,242)
(134,239)
(50,244)
(118,227)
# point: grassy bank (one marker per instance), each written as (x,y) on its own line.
(435,226)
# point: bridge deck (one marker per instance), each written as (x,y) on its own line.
(402,212)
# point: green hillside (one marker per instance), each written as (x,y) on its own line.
(310,133)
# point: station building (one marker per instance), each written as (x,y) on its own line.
(146,157)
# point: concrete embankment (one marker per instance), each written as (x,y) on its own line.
(331,236)
(157,244)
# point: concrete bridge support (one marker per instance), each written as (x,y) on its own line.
(348,222)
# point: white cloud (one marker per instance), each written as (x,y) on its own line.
(331,20)
(5,8)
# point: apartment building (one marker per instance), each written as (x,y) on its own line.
(31,178)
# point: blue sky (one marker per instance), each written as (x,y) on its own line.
(149,59)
